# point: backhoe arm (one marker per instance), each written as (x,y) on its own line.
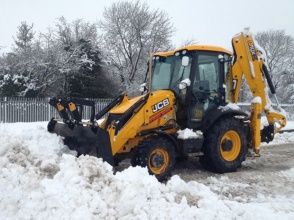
(249,64)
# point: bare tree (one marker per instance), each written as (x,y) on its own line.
(279,49)
(131,31)
(188,41)
(68,32)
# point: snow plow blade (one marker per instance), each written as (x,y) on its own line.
(84,140)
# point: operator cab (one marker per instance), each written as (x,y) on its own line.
(196,74)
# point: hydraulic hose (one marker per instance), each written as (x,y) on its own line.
(268,79)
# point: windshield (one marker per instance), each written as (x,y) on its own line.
(168,72)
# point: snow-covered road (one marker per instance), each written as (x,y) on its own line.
(41,179)
(260,179)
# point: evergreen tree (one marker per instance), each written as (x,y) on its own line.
(24,37)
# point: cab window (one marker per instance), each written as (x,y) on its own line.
(208,72)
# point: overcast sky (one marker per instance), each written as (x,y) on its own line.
(207,21)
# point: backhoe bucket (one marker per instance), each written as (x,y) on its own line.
(84,140)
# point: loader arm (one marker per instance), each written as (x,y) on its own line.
(249,64)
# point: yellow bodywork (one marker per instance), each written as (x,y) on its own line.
(248,63)
(145,118)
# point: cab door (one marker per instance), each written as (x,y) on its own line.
(206,86)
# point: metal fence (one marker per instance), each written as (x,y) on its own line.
(19,109)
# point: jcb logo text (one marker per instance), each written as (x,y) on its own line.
(160,105)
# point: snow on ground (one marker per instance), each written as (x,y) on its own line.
(287,137)
(41,179)
(290,125)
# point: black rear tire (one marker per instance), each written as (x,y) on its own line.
(225,146)
(204,161)
(158,155)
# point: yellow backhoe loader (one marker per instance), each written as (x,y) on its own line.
(193,87)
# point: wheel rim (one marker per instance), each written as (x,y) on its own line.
(230,146)
(158,160)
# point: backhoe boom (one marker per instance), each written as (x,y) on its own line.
(249,64)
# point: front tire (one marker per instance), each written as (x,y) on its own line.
(158,155)
(225,146)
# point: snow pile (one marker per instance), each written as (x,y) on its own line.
(41,179)
(189,134)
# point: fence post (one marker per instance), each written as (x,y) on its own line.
(5,109)
(48,106)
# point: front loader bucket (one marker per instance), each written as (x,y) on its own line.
(84,139)
(87,139)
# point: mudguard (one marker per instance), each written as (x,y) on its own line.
(214,114)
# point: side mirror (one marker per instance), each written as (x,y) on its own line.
(185,61)
(184,84)
(143,87)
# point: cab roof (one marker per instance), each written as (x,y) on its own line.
(194,48)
